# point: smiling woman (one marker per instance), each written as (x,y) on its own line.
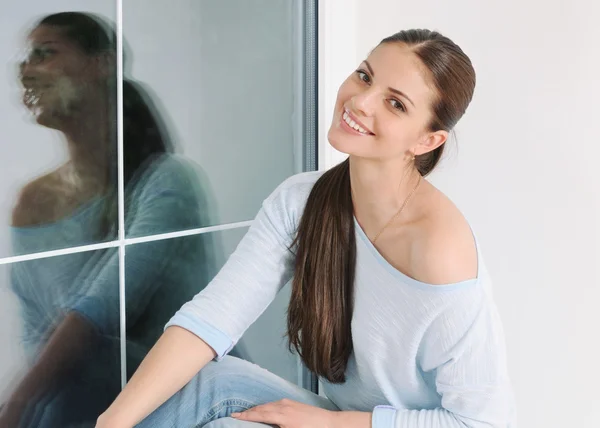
(69,84)
(391,302)
(402,100)
(56,76)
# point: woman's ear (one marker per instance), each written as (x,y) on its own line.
(105,65)
(431,142)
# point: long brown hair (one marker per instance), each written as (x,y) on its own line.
(144,133)
(321,305)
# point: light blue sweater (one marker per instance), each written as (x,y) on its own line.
(160,276)
(425,356)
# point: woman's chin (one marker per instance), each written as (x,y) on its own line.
(45,118)
(343,144)
(337,140)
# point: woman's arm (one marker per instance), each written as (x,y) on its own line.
(63,351)
(163,200)
(251,278)
(171,364)
(164,203)
(465,351)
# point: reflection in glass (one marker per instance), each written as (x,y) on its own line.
(68,81)
(69,305)
(226,74)
(160,276)
(182,267)
(69,310)
(228,77)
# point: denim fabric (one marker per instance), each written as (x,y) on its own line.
(223,387)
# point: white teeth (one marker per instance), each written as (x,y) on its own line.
(354,125)
(32,96)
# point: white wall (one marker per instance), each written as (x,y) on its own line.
(337,57)
(525,175)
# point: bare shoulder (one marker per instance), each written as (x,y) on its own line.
(33,200)
(443,249)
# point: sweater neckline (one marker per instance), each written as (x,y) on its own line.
(364,239)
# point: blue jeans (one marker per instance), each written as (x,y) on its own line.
(221,388)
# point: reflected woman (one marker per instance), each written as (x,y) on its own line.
(70,304)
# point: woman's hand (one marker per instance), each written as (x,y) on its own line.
(289,414)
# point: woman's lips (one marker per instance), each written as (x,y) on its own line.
(352,123)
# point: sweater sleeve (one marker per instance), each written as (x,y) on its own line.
(464,350)
(250,279)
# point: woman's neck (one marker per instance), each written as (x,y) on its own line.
(90,143)
(379,189)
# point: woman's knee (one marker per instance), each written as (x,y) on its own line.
(231,375)
(217,390)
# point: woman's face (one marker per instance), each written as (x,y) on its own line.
(55,76)
(389,100)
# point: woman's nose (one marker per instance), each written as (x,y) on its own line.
(26,71)
(364,103)
(23,60)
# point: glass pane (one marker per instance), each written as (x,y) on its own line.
(162,275)
(58,106)
(59,338)
(166,195)
(223,79)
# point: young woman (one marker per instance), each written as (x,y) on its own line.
(391,303)
(70,304)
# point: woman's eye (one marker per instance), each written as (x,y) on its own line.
(397,105)
(363,76)
(41,54)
